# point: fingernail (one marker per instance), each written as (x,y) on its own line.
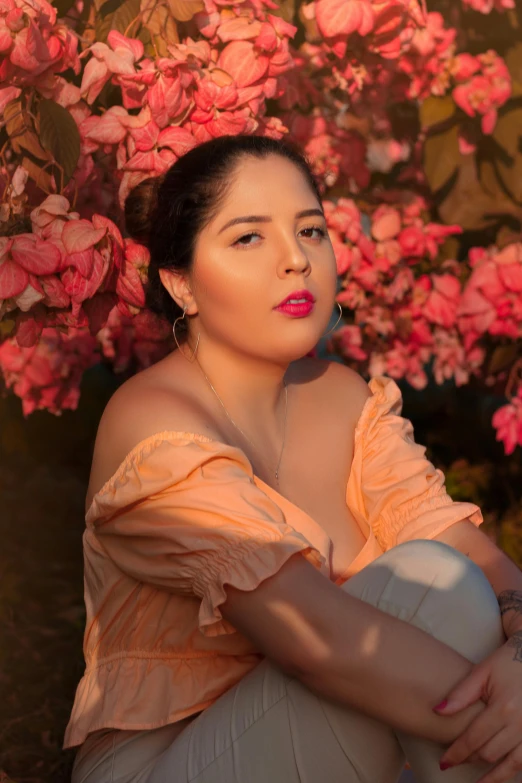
(441,705)
(445,765)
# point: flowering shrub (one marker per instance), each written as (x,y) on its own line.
(411,130)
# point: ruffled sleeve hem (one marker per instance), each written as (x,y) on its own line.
(403,496)
(246,574)
(184,514)
(386,398)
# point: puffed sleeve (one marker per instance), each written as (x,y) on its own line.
(403,494)
(186,516)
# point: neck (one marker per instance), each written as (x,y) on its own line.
(251,389)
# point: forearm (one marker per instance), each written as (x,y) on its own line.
(503,575)
(389,670)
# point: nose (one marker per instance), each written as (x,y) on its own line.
(294,257)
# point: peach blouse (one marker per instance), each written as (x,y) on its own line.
(184,515)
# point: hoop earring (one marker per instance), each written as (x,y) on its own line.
(180,318)
(335,324)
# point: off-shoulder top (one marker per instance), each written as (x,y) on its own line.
(183,516)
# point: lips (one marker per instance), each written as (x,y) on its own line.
(302,294)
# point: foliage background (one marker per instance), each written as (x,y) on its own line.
(458,153)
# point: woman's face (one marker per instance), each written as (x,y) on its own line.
(243,269)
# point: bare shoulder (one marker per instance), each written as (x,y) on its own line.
(334,383)
(141,407)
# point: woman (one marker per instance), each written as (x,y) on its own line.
(276,581)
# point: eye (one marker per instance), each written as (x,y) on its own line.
(245,236)
(322,232)
(240,243)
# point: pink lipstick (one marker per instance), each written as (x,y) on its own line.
(297,304)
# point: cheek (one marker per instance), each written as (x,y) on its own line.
(230,288)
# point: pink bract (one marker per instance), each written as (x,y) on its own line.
(74,287)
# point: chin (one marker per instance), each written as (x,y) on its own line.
(298,350)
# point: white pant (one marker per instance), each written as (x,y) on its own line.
(269,728)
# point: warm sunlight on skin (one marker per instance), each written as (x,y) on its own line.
(316,643)
(370,643)
(242,270)
(322,651)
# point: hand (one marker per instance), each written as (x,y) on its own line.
(496,734)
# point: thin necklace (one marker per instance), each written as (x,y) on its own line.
(239,428)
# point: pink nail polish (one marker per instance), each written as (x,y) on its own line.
(445,765)
(441,705)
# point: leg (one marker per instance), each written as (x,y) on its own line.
(270,728)
(266,729)
(431,585)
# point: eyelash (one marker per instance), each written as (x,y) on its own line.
(256,233)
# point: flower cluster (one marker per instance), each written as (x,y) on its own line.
(507,421)
(69,272)
(484,85)
(47,375)
(134,342)
(403,318)
(486,6)
(492,300)
(97,101)
(33,47)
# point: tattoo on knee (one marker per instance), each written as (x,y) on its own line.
(510,601)
(516,642)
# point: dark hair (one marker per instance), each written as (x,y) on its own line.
(167,213)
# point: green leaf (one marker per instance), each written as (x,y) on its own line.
(449,249)
(503,357)
(508,133)
(115,15)
(7,327)
(20,130)
(513,60)
(434,111)
(441,157)
(184,10)
(59,135)
(63,7)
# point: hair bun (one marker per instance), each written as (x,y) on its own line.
(140,206)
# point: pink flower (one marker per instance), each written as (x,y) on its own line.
(145,338)
(339,17)
(349,338)
(344,217)
(474,314)
(383,154)
(442,302)
(119,57)
(47,376)
(133,276)
(484,92)
(507,420)
(451,359)
(509,266)
(486,6)
(412,241)
(403,361)
(386,223)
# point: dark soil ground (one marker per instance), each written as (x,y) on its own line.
(44,468)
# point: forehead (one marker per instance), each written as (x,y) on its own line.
(270,186)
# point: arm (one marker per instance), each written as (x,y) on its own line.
(503,575)
(344,649)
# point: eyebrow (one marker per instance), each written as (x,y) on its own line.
(267,218)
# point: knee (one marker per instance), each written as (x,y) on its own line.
(445,593)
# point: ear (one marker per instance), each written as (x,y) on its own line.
(178,287)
